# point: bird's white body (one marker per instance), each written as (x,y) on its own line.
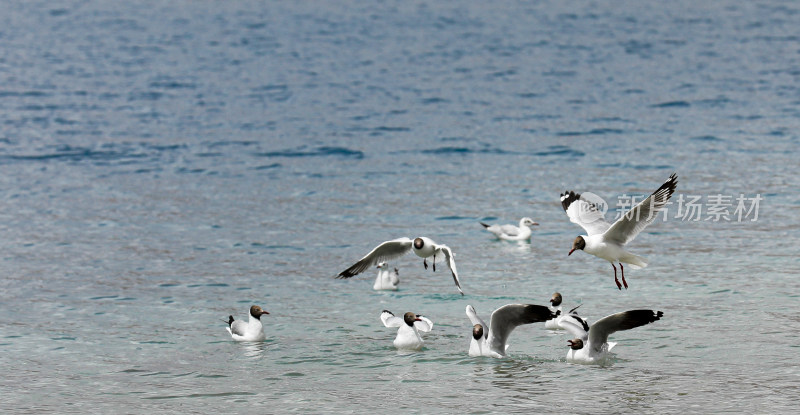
(612,252)
(408,335)
(387,279)
(589,355)
(512,232)
(252,331)
(552,324)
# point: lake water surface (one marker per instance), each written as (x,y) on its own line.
(166,164)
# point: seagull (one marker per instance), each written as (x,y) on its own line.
(607,241)
(512,232)
(386,280)
(490,339)
(424,248)
(572,315)
(591,345)
(252,331)
(408,337)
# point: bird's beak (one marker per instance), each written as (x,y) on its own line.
(418,318)
(571,251)
(264,312)
(569,343)
(536,223)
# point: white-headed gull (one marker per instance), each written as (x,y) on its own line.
(512,232)
(591,346)
(571,315)
(408,337)
(387,279)
(490,339)
(423,247)
(605,240)
(252,331)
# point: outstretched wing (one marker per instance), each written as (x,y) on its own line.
(475,319)
(451,263)
(424,325)
(626,320)
(384,252)
(635,220)
(506,318)
(389,320)
(583,213)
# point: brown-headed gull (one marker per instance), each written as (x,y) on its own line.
(408,337)
(491,339)
(252,331)
(591,345)
(607,241)
(571,315)
(512,232)
(387,279)
(423,247)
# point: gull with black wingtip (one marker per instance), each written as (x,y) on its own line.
(408,337)
(607,241)
(423,247)
(491,339)
(252,331)
(571,315)
(591,344)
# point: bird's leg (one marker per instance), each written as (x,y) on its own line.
(434,262)
(425,262)
(622,270)
(615,276)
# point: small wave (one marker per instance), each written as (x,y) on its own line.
(454,218)
(560,151)
(672,104)
(317,152)
(465,150)
(595,131)
(706,138)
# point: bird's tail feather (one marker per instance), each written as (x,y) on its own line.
(635,261)
(484,225)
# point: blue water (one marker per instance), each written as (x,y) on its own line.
(166,164)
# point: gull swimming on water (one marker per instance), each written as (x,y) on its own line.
(252,331)
(512,232)
(607,241)
(491,339)
(591,345)
(408,337)
(423,247)
(571,315)
(386,280)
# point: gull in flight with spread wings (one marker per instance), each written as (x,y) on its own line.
(423,247)
(607,241)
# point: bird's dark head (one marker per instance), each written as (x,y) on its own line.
(579,243)
(555,300)
(477,331)
(418,243)
(575,344)
(410,318)
(257,312)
